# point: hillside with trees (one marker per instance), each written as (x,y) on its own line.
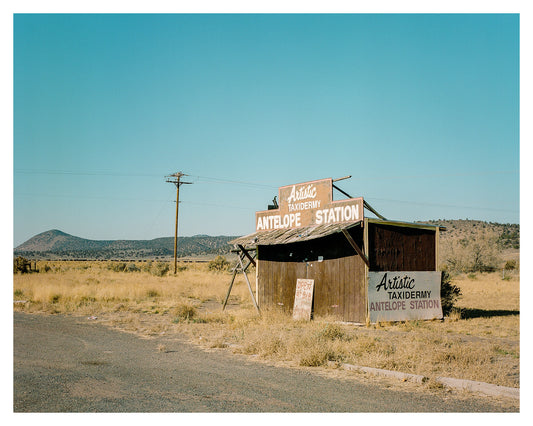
(477,246)
(56,244)
(465,246)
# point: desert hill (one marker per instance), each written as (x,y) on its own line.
(476,245)
(465,244)
(55,244)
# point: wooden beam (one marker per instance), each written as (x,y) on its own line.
(404,224)
(230,285)
(356,247)
(369,207)
(249,286)
(246,254)
(366,247)
(341,191)
(342,178)
(437,241)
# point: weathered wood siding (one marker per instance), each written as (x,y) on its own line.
(339,277)
(395,248)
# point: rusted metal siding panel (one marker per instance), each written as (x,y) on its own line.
(393,248)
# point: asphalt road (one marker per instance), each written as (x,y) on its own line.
(67,364)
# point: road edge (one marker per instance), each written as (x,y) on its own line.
(459,384)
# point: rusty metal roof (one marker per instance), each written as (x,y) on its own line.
(287,236)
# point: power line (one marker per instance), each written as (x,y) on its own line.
(197,178)
(82,173)
(84,197)
(233,206)
(231,181)
(443,205)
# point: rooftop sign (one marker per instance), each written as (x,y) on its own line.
(308,204)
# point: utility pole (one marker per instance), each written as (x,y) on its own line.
(176,180)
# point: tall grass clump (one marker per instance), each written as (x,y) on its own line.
(184,312)
(160,269)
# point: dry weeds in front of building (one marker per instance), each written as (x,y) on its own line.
(478,341)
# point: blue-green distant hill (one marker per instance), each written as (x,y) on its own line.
(55,244)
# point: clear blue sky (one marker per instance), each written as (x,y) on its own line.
(422,111)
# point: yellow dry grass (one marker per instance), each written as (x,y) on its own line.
(478,342)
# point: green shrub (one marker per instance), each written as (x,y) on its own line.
(22,265)
(449,293)
(160,269)
(132,267)
(116,266)
(510,265)
(219,263)
(147,266)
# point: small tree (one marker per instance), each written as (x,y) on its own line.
(510,265)
(22,265)
(219,263)
(449,293)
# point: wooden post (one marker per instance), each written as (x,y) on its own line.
(437,241)
(176,228)
(245,252)
(366,249)
(240,265)
(230,285)
(249,286)
(176,180)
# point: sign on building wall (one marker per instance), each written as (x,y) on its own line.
(303,299)
(307,204)
(401,296)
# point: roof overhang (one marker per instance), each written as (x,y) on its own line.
(427,226)
(295,235)
(288,236)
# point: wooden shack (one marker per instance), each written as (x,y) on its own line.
(311,236)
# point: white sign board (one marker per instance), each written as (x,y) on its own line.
(402,296)
(303,299)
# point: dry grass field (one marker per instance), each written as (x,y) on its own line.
(479,341)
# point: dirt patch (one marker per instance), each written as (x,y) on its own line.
(89,388)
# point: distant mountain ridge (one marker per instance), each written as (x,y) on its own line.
(58,244)
(55,244)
